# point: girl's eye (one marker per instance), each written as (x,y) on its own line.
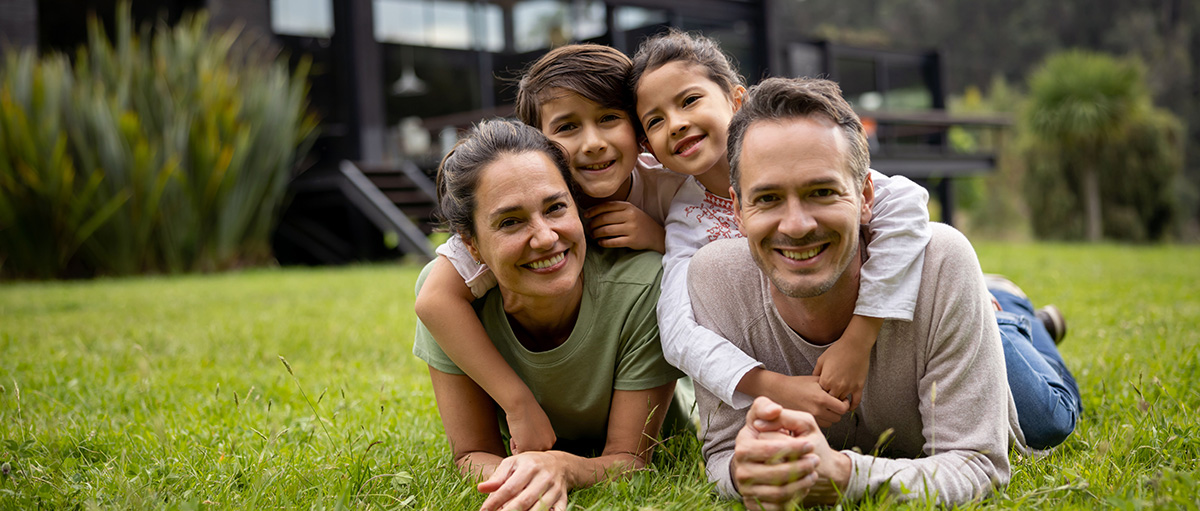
(690,99)
(652,123)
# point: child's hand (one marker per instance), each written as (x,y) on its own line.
(842,370)
(530,429)
(805,394)
(621,224)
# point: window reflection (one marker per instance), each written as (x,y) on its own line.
(541,24)
(310,18)
(457,25)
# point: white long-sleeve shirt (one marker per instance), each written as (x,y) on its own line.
(898,233)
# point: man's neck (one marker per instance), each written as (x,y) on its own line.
(822,319)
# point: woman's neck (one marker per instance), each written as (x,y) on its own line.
(543,323)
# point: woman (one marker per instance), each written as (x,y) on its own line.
(576,323)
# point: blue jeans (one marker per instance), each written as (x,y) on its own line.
(1047,398)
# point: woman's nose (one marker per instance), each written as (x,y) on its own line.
(544,235)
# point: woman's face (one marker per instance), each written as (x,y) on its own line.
(527,229)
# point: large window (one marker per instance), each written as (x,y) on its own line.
(543,24)
(309,18)
(456,25)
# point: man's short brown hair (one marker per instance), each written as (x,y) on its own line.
(788,98)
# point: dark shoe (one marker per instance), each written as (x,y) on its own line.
(1055,323)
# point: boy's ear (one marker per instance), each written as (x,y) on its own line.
(739,93)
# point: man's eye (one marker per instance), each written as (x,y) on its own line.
(823,192)
(766,199)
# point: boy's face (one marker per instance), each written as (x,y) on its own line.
(686,116)
(600,142)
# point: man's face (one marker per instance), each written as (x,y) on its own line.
(798,203)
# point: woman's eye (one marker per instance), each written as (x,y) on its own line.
(556,207)
(508,222)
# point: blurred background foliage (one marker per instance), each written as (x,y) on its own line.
(1149,171)
(158,149)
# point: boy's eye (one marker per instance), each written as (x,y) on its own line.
(562,128)
(610,118)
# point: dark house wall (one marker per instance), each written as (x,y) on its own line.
(18,24)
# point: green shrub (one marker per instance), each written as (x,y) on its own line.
(160,151)
(1101,160)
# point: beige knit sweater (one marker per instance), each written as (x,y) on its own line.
(937,383)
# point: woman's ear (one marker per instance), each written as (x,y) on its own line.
(739,93)
(470,244)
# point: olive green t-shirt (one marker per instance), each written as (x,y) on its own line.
(613,346)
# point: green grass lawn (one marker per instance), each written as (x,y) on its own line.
(170,392)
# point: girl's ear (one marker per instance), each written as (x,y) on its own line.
(739,93)
(645,145)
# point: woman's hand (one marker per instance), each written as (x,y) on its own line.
(621,224)
(530,480)
(529,427)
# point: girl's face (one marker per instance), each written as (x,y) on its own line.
(527,229)
(600,142)
(686,116)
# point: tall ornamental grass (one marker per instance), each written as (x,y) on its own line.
(164,150)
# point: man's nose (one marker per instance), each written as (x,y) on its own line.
(797,221)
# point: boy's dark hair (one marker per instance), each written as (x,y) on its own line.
(777,99)
(458,174)
(676,45)
(596,72)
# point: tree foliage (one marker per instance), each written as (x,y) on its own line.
(1101,159)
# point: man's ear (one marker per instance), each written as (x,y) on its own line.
(737,210)
(739,93)
(868,193)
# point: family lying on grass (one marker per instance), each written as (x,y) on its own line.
(841,344)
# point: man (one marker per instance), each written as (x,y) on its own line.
(936,417)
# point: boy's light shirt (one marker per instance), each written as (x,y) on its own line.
(652,190)
(890,278)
